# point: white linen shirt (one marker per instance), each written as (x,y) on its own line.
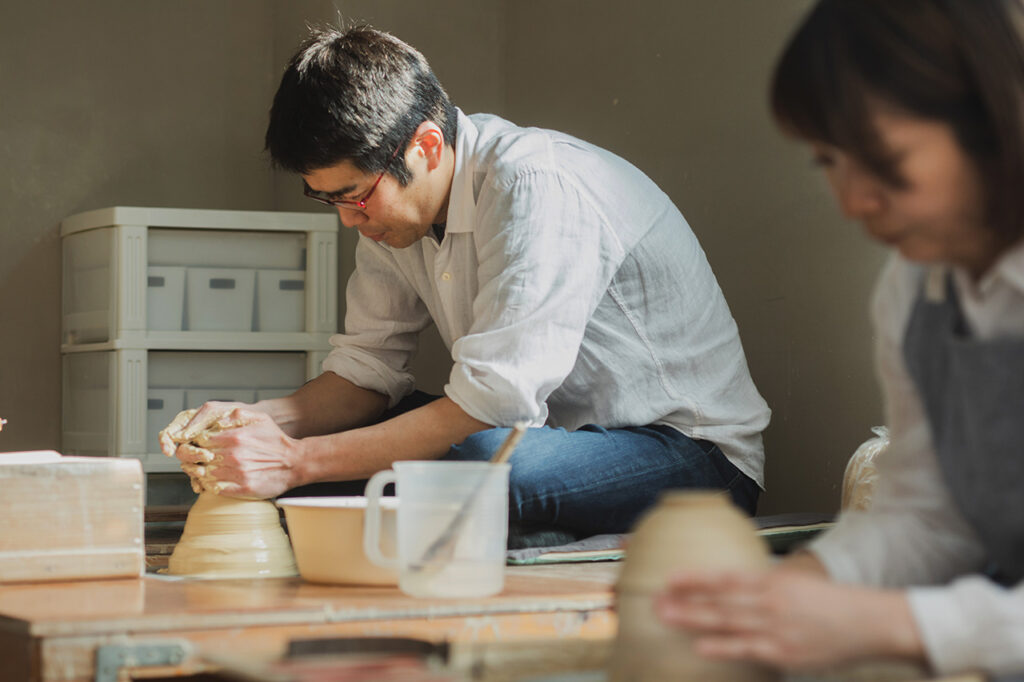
(569,290)
(913,534)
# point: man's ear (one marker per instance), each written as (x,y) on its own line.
(429,142)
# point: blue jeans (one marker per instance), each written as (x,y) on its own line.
(596,480)
(589,481)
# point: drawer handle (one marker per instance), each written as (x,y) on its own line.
(222,283)
(156,281)
(155,403)
(292,285)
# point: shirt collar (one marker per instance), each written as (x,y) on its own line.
(1011,266)
(461,200)
(1009,269)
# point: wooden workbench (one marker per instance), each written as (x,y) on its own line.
(547,618)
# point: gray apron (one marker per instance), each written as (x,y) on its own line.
(973,395)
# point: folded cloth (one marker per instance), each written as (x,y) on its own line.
(523,535)
(595,548)
(785,533)
(792,519)
(545,545)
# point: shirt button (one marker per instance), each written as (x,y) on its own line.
(446,276)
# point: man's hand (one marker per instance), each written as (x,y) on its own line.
(789,619)
(253,459)
(190,425)
(232,449)
(251,451)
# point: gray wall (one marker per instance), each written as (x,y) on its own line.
(680,89)
(114,102)
(163,104)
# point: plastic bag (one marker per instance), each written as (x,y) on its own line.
(861,473)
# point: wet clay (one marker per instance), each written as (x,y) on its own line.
(227,537)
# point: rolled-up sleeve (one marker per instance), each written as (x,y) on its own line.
(546,256)
(383,319)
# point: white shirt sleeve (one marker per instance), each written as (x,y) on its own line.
(972,624)
(546,256)
(383,319)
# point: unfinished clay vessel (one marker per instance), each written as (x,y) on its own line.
(227,537)
(686,530)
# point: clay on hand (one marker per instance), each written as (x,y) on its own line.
(190,443)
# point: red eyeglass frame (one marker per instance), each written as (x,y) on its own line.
(354,204)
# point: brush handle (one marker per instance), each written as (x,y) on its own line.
(510,443)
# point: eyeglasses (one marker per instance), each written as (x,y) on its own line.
(353,204)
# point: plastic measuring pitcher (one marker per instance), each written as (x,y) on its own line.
(461,505)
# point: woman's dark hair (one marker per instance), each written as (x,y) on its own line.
(354,95)
(959,62)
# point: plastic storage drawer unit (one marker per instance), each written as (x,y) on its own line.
(220,299)
(166,308)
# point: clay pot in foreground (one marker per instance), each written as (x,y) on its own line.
(685,530)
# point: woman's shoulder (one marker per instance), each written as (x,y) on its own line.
(896,289)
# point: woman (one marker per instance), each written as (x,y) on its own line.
(915,111)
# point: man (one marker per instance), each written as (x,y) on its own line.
(571,293)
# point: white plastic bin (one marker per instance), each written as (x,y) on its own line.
(162,405)
(280,300)
(227,249)
(94,420)
(86,283)
(196,397)
(86,398)
(220,299)
(219,369)
(165,298)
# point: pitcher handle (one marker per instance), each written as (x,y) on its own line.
(371,522)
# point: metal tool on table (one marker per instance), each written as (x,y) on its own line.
(441,549)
